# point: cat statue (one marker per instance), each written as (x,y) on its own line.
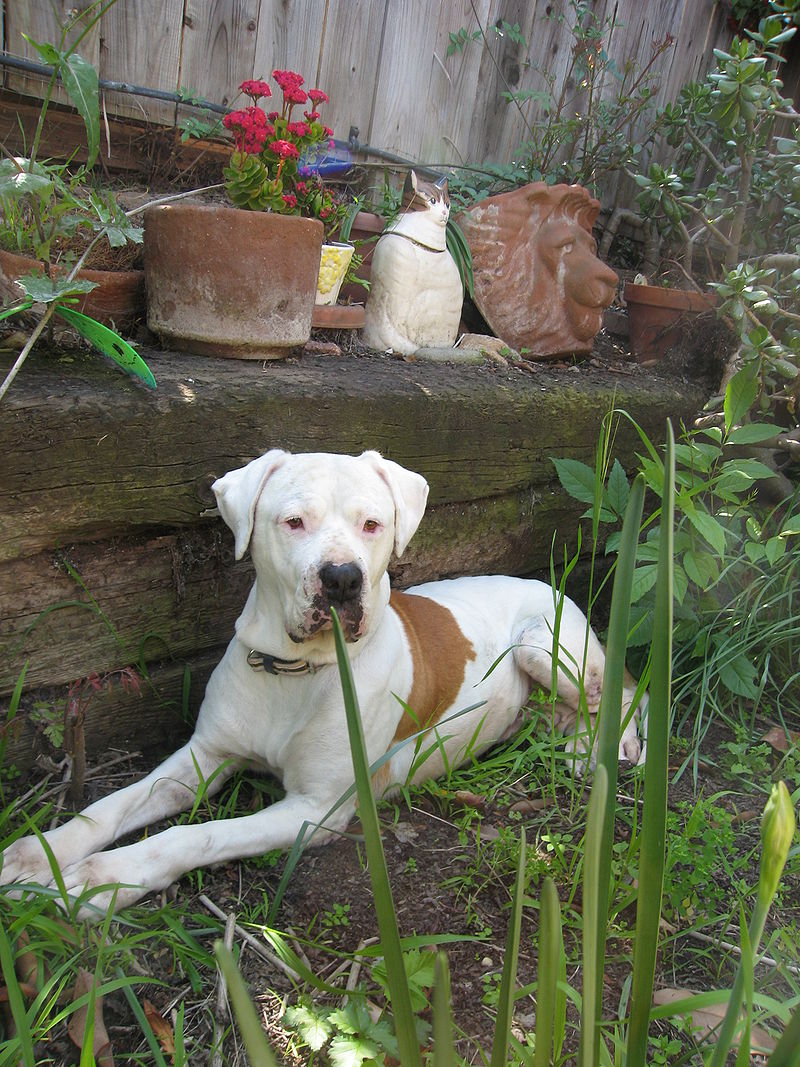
(415,294)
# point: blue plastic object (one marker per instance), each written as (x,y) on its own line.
(325,161)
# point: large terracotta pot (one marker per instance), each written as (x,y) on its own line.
(658,317)
(226,282)
(118,300)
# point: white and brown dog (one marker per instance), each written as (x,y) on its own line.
(321,530)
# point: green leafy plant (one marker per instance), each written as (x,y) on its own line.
(271,167)
(45,205)
(732,165)
(737,617)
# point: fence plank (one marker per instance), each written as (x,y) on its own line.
(151,30)
(43,22)
(289,36)
(348,67)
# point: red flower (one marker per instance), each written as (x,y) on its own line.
(316,96)
(301,188)
(284,149)
(294,96)
(288,79)
(255,88)
(297,129)
(273,115)
(290,200)
(312,116)
(328,131)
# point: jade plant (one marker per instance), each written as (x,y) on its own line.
(729,202)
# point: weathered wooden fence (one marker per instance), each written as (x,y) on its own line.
(384,63)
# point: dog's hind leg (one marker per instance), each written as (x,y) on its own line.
(170,788)
(580,666)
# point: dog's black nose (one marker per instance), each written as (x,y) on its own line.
(341,582)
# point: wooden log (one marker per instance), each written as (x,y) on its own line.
(90,453)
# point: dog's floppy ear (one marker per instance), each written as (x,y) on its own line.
(237,494)
(410,492)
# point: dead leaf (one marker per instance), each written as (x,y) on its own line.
(101,1045)
(708,1020)
(777,737)
(469,800)
(161,1028)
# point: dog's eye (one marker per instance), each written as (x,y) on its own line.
(295,522)
(371,526)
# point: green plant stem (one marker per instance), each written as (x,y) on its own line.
(654,812)
(376,861)
(34,337)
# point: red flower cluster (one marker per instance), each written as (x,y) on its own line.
(263,174)
(250,129)
(255,89)
(284,149)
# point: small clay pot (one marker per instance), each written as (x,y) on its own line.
(227,282)
(658,317)
(118,300)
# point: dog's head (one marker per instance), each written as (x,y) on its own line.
(321,530)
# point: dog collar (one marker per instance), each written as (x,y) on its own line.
(262,661)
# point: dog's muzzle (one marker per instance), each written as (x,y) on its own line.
(341,586)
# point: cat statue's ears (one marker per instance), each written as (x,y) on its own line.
(410,185)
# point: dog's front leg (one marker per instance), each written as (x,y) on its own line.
(157,861)
(170,788)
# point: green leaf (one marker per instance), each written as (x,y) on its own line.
(577,478)
(351,1051)
(46,290)
(705,524)
(109,343)
(740,394)
(774,549)
(618,489)
(15,184)
(644,578)
(314,1031)
(47,51)
(739,676)
(701,567)
(80,81)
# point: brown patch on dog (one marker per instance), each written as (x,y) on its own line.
(440,652)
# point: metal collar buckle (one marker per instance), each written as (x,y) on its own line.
(262,661)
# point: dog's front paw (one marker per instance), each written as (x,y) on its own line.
(26,861)
(103,880)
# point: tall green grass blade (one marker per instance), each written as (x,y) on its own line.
(608,723)
(258,1051)
(444,1053)
(551,948)
(141,1018)
(652,843)
(787,1051)
(405,1029)
(505,1003)
(15,1001)
(593,920)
